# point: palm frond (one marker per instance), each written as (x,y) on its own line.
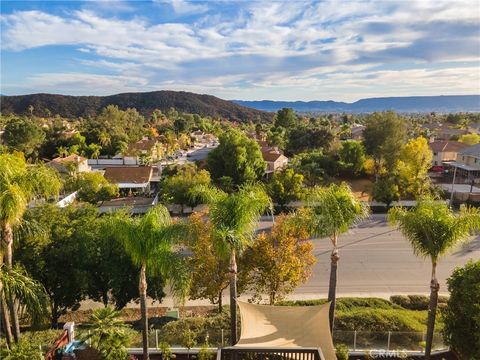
(30,294)
(334,209)
(432,228)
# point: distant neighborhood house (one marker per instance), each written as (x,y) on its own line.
(130,179)
(445,151)
(467,164)
(66,165)
(275,159)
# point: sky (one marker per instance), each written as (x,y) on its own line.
(247,50)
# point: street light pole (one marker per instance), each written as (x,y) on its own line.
(453,184)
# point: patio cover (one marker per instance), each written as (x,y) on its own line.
(266,326)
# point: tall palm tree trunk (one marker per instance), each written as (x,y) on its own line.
(233,298)
(142,288)
(7,235)
(432,311)
(332,285)
(5,319)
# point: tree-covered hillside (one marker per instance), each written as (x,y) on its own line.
(145,103)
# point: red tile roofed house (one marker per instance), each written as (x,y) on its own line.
(274,158)
(143,148)
(445,151)
(135,179)
(70,163)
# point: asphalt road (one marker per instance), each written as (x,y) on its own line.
(376,260)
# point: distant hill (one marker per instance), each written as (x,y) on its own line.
(75,106)
(412,104)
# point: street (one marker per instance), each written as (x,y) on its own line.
(376,260)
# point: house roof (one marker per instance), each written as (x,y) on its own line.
(473,150)
(69,158)
(444,146)
(272,155)
(131,175)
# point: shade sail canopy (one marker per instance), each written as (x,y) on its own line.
(286,326)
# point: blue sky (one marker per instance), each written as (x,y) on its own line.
(251,50)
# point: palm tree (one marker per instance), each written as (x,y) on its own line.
(19,185)
(234,218)
(30,295)
(433,230)
(150,242)
(334,210)
(62,151)
(107,333)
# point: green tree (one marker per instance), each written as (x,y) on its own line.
(112,277)
(176,188)
(384,137)
(237,157)
(64,242)
(307,138)
(149,240)
(234,217)
(415,161)
(462,314)
(23,134)
(315,166)
(276,263)
(433,230)
(92,187)
(334,210)
(352,157)
(285,187)
(19,185)
(108,334)
(285,118)
(386,191)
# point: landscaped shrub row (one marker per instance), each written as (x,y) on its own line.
(416,302)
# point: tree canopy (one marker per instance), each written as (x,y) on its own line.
(236,157)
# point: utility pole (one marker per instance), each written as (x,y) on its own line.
(453,184)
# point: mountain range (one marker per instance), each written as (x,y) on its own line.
(236,110)
(145,102)
(409,104)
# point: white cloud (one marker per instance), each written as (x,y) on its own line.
(184,7)
(268,46)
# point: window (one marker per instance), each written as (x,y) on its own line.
(434,154)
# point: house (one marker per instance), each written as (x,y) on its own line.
(201,138)
(445,151)
(356,132)
(274,158)
(467,164)
(69,164)
(443,132)
(130,178)
(143,149)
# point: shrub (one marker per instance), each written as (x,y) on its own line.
(346,303)
(416,302)
(462,315)
(24,350)
(207,326)
(342,352)
(369,319)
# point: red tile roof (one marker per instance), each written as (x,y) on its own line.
(69,158)
(125,174)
